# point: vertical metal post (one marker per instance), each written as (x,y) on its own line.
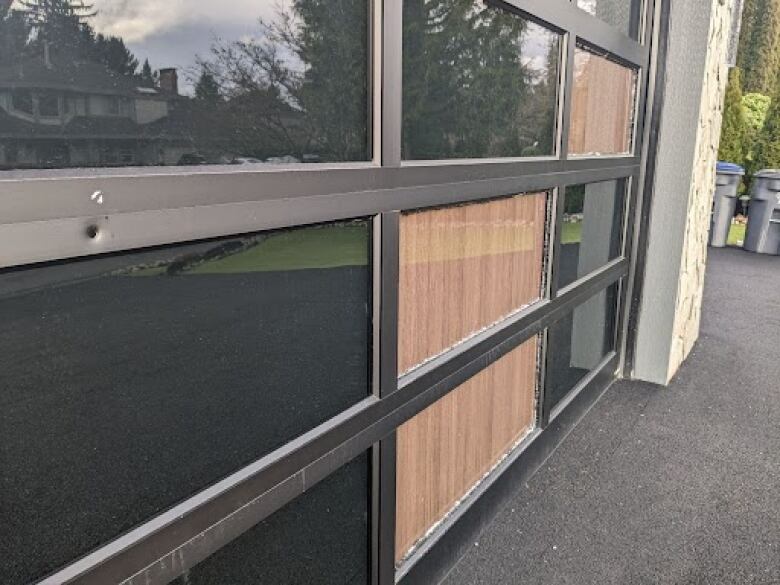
(392,78)
(386,249)
(567,92)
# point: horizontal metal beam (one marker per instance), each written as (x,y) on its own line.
(203,524)
(565,16)
(43,220)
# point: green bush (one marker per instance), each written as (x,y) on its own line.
(756,106)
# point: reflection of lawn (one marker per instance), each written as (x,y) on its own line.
(571,233)
(316,247)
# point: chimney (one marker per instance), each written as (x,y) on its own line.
(169,81)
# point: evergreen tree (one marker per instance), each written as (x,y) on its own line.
(759,50)
(768,143)
(147,77)
(207,90)
(62,25)
(732,145)
(114,54)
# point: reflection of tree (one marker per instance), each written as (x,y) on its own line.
(61,30)
(300,87)
(469,88)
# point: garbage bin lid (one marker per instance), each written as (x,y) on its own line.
(768,174)
(727,168)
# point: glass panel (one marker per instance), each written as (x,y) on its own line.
(624,15)
(447,449)
(579,343)
(465,268)
(478,82)
(248,82)
(592,229)
(321,537)
(602,114)
(133,381)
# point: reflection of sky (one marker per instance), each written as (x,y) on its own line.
(171,33)
(174,32)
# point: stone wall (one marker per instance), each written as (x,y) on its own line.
(694,253)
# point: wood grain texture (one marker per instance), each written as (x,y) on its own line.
(447,449)
(603,101)
(464,268)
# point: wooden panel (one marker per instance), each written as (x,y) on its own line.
(602,107)
(464,268)
(447,449)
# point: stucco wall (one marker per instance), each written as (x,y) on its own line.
(696,75)
(694,257)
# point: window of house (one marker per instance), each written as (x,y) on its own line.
(603,106)
(161,372)
(22,101)
(625,15)
(279,82)
(592,230)
(478,81)
(448,448)
(49,105)
(320,537)
(578,343)
(464,268)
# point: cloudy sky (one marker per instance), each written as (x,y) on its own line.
(170,33)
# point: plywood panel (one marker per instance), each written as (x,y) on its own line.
(464,268)
(447,449)
(602,106)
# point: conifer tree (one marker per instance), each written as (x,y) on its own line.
(732,138)
(768,143)
(759,50)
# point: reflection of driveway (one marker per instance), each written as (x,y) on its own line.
(123,395)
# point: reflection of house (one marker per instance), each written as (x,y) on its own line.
(82,114)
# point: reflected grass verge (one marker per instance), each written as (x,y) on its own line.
(316,247)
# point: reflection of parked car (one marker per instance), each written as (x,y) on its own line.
(191,159)
(311,158)
(282,160)
(246,160)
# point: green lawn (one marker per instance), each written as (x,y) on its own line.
(315,247)
(572,233)
(737,234)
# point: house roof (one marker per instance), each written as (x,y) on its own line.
(81,77)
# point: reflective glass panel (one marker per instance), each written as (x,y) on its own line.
(131,382)
(448,448)
(464,268)
(602,113)
(321,537)
(478,81)
(624,15)
(148,83)
(592,232)
(579,342)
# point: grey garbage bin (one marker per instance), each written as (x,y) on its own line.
(727,181)
(763,231)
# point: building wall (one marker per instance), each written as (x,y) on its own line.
(694,257)
(696,76)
